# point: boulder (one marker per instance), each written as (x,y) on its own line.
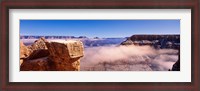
(65,55)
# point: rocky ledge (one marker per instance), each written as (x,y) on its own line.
(46,55)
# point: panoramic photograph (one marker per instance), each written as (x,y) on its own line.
(99,45)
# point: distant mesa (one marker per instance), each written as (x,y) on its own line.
(82,37)
(49,56)
(88,42)
(49,37)
(157,41)
(96,38)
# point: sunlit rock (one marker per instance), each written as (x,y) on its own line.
(24,52)
(65,55)
(127,42)
(38,44)
(53,56)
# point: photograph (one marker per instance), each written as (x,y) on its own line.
(99,45)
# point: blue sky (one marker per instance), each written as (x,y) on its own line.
(98,28)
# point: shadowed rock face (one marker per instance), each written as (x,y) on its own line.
(56,56)
(38,54)
(176,66)
(38,49)
(157,41)
(40,64)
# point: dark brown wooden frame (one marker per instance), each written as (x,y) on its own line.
(103,4)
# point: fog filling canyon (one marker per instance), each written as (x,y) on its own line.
(128,58)
(124,57)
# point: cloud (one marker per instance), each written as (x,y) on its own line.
(156,59)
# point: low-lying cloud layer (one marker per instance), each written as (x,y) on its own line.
(138,56)
(130,58)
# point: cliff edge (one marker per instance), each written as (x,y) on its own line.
(46,55)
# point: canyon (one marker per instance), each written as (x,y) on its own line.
(69,53)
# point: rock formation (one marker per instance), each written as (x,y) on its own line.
(38,54)
(127,42)
(53,56)
(66,55)
(24,52)
(34,51)
(157,41)
(38,49)
(176,66)
(38,44)
(40,64)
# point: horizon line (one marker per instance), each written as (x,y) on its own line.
(95,36)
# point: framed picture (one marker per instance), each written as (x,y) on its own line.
(93,45)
